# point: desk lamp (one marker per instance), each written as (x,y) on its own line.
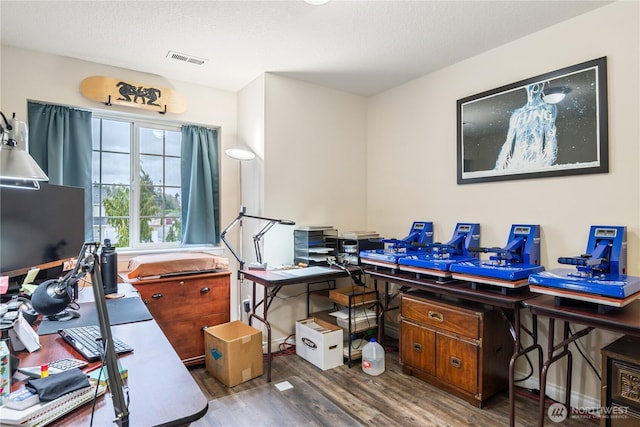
(17,167)
(52,297)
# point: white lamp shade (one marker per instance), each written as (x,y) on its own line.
(17,167)
(239,153)
(18,164)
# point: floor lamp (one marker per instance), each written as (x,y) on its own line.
(242,154)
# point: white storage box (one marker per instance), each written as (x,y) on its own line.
(319,342)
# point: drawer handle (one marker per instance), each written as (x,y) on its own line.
(417,347)
(455,362)
(181,282)
(204,290)
(434,315)
(157,296)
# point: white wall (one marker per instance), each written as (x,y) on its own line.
(250,134)
(314,161)
(412,153)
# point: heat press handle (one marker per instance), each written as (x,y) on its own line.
(480,249)
(582,260)
(431,245)
(496,250)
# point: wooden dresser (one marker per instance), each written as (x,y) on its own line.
(184,305)
(459,348)
(621,383)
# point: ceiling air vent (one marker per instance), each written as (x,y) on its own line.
(172,54)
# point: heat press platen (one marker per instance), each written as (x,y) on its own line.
(609,285)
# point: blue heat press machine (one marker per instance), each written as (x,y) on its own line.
(438,257)
(599,276)
(510,266)
(419,236)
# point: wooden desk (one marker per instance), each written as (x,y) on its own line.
(625,320)
(161,389)
(465,291)
(274,280)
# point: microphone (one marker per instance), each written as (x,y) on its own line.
(53,296)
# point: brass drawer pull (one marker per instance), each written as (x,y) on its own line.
(434,315)
(455,362)
(204,290)
(157,296)
(417,347)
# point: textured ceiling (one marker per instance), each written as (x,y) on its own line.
(362,47)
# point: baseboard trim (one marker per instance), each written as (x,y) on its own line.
(557,393)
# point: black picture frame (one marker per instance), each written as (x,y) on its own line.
(518,131)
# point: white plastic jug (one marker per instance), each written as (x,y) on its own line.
(373,358)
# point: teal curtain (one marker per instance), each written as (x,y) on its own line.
(200,186)
(60,142)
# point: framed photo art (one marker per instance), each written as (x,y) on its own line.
(549,125)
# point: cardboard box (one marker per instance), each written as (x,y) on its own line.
(233,352)
(5,371)
(319,342)
(360,294)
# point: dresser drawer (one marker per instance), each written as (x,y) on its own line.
(416,347)
(447,317)
(625,385)
(184,299)
(187,336)
(457,363)
(620,382)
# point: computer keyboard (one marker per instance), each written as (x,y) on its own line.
(87,341)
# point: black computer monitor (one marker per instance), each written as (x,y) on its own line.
(40,228)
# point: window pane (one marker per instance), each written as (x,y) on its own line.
(98,193)
(151,166)
(116,136)
(173,202)
(151,141)
(95,133)
(115,168)
(172,230)
(172,171)
(172,143)
(117,231)
(149,230)
(95,166)
(150,200)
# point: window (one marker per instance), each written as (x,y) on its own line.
(136,188)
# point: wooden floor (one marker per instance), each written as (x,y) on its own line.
(391,399)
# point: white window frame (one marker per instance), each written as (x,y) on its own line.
(134,196)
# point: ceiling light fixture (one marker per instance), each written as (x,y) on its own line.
(316,2)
